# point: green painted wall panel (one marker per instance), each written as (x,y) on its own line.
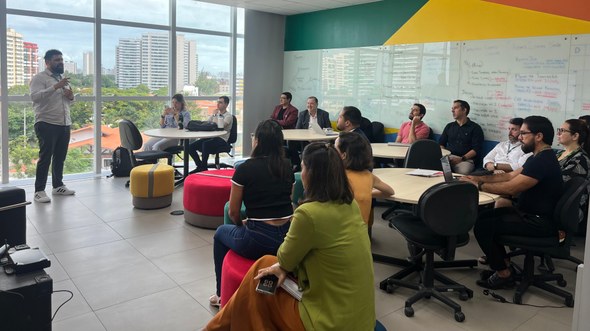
(355,26)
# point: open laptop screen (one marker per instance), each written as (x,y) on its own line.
(446,167)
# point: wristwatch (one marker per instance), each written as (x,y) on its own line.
(463,158)
(495,165)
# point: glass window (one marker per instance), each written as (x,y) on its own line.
(28,38)
(213,56)
(241,19)
(135,61)
(24,148)
(78,7)
(142,11)
(202,15)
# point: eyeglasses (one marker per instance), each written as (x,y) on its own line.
(562,130)
(522,133)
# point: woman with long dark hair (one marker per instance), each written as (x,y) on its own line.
(170,118)
(328,251)
(264,184)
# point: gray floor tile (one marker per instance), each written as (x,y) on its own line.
(167,242)
(80,237)
(134,227)
(188,266)
(86,322)
(75,307)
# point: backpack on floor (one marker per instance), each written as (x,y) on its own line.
(121,164)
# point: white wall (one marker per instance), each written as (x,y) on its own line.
(264,42)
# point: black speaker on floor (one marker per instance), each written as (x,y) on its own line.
(25,301)
(13,226)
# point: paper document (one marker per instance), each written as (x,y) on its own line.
(291,286)
(425,173)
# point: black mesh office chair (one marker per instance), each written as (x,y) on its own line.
(436,228)
(367,128)
(378,132)
(423,154)
(132,140)
(566,215)
(233,137)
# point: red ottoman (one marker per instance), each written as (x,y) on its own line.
(205,194)
(233,270)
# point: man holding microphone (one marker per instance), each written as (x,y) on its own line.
(51,95)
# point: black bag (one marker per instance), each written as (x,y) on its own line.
(201,126)
(121,164)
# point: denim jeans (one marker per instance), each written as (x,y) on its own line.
(251,241)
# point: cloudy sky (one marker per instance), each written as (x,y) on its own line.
(75,38)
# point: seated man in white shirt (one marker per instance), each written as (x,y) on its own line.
(507,155)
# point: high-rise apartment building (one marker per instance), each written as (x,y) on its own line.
(88,63)
(128,63)
(70,67)
(30,61)
(145,61)
(14,57)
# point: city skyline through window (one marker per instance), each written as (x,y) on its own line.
(140,69)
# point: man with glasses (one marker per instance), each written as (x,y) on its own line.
(463,138)
(507,155)
(415,128)
(538,183)
(51,95)
(285,113)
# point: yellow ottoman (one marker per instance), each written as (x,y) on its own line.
(151,186)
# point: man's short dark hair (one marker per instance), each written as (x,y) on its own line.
(516,121)
(288,95)
(314,98)
(540,124)
(50,54)
(225,99)
(352,114)
(464,105)
(422,108)
(585,118)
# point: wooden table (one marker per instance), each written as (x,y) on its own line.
(408,188)
(185,136)
(394,152)
(305,135)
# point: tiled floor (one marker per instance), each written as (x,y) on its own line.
(133,269)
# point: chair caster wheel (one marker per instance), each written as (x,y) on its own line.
(569,302)
(562,283)
(409,311)
(389,289)
(463,296)
(459,316)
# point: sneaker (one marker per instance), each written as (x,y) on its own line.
(41,196)
(62,190)
(495,282)
(215,301)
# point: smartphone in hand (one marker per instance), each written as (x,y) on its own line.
(267,284)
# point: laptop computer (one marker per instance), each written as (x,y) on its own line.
(447,170)
(318,129)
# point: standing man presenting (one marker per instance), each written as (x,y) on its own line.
(285,113)
(415,128)
(52,95)
(463,138)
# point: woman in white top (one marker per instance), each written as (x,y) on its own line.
(171,117)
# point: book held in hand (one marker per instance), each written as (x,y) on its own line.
(290,285)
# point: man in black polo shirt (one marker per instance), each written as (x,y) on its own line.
(463,138)
(539,184)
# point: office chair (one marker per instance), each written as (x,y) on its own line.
(436,228)
(233,137)
(177,151)
(131,139)
(367,128)
(378,132)
(423,154)
(566,215)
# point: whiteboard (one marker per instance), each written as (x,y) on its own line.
(500,78)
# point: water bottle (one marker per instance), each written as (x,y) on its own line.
(220,121)
(180,122)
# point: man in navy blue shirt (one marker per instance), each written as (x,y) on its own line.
(539,185)
(463,138)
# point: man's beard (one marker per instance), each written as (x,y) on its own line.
(528,148)
(512,139)
(57,69)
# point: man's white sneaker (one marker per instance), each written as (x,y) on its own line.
(62,190)
(41,196)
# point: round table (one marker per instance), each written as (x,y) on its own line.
(305,135)
(394,152)
(185,136)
